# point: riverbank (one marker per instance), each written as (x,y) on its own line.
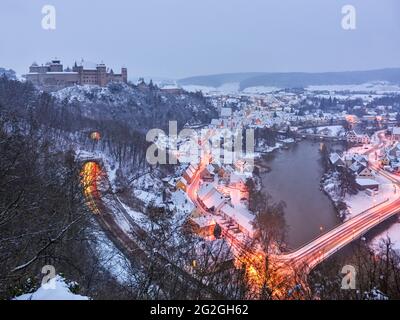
(330,184)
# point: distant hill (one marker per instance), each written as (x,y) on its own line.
(294,79)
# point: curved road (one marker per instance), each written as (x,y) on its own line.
(318,250)
(104,205)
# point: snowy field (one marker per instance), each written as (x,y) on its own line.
(261,90)
(231,88)
(226,88)
(377,87)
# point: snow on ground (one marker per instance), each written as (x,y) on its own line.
(148,197)
(141,219)
(181,204)
(148,189)
(275,147)
(195,88)
(88,92)
(334,131)
(119,217)
(331,186)
(55,289)
(360,150)
(231,87)
(331,131)
(260,89)
(362,201)
(393,233)
(111,258)
(378,87)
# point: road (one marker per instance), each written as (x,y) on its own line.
(324,246)
(306,257)
(107,206)
(318,250)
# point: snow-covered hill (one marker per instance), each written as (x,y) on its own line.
(143,106)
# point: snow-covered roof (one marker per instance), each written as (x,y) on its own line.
(334,158)
(396,130)
(367,182)
(357,167)
(88,65)
(183,180)
(204,221)
(211,168)
(361,158)
(205,190)
(237,178)
(216,122)
(226,112)
(242,217)
(216,200)
(190,171)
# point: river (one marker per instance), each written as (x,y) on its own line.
(295,179)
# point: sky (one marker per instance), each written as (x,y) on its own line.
(181,38)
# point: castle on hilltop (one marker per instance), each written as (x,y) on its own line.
(52,75)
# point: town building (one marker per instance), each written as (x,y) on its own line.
(173,89)
(365,184)
(336,160)
(202,225)
(353,137)
(210,198)
(240,217)
(53,76)
(189,173)
(396,133)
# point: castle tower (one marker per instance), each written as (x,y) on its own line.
(124,73)
(101,75)
(56,66)
(79,69)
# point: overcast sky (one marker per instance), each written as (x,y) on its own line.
(179,38)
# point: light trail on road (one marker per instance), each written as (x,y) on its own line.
(310,255)
(90,176)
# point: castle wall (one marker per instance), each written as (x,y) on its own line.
(52,75)
(60,79)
